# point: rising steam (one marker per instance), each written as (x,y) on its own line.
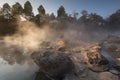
(28,35)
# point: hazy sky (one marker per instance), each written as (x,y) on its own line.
(101,7)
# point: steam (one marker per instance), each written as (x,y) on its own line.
(28,35)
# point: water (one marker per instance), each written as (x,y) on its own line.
(110,59)
(15,63)
(17,71)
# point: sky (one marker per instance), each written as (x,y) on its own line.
(101,7)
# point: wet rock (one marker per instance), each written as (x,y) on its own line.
(107,76)
(54,64)
(97,62)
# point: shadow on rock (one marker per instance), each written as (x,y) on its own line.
(53,65)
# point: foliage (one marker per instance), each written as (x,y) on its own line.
(7,11)
(6,7)
(28,10)
(114,20)
(17,9)
(41,10)
(7,28)
(61,11)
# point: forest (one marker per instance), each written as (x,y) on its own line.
(91,21)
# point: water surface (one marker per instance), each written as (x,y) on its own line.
(17,71)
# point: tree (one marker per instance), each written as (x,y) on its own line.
(95,20)
(41,10)
(75,15)
(84,13)
(6,6)
(61,12)
(7,11)
(118,11)
(114,20)
(28,9)
(52,16)
(1,11)
(83,18)
(41,18)
(17,9)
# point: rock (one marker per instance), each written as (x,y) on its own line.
(92,75)
(107,76)
(61,48)
(111,45)
(117,67)
(54,64)
(94,56)
(80,69)
(61,45)
(118,63)
(96,61)
(89,75)
(79,63)
(114,72)
(71,77)
(41,76)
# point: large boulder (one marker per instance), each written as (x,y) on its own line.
(53,64)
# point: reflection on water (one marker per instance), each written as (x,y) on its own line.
(15,64)
(17,71)
(12,53)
